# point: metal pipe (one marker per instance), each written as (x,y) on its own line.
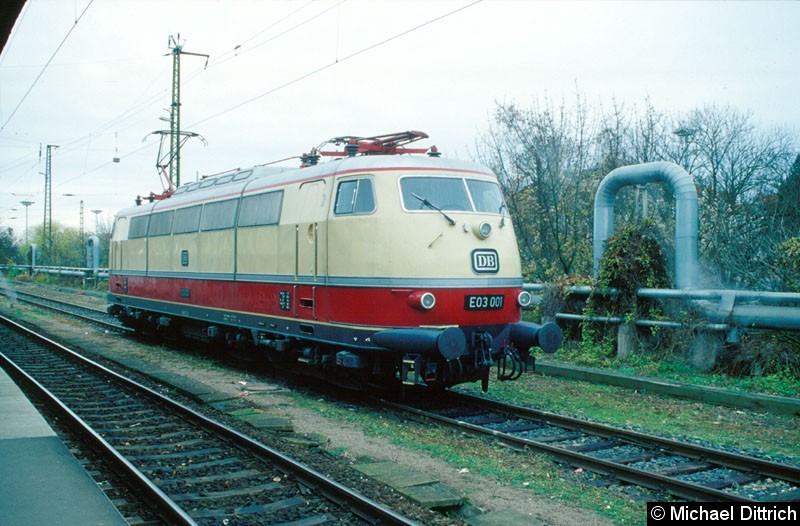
(685,192)
(763,297)
(93,253)
(722,307)
(32,257)
(616,320)
(717,294)
(755,316)
(63,271)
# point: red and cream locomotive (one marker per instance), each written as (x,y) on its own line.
(386,265)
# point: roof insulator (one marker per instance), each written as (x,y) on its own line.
(309,159)
(434,152)
(351,148)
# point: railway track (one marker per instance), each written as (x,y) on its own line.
(192,469)
(96,316)
(713,395)
(683,470)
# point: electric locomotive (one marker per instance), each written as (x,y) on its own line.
(386,265)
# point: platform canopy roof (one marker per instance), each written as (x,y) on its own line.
(9,11)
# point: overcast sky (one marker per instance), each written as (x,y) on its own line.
(283,76)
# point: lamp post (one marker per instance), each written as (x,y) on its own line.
(26,204)
(80,227)
(96,219)
(686,136)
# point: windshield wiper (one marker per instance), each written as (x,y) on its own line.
(431,205)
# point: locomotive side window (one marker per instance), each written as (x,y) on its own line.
(219,215)
(119,232)
(187,220)
(224,179)
(138,227)
(190,186)
(161,224)
(241,176)
(355,196)
(486,196)
(261,209)
(445,193)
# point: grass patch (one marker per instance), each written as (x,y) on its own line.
(673,367)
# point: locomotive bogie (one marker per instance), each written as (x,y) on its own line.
(375,267)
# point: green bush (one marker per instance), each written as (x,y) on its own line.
(788,263)
(633,259)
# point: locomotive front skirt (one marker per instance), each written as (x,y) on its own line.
(381,268)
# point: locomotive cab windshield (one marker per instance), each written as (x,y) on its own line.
(454,194)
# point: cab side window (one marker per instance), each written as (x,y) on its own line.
(161,224)
(261,209)
(187,220)
(219,215)
(138,227)
(354,196)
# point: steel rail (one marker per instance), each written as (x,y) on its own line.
(732,460)
(58,302)
(366,508)
(604,467)
(38,301)
(713,395)
(168,508)
(689,490)
(619,471)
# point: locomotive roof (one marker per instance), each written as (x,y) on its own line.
(234,182)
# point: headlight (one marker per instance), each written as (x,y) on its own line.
(483,230)
(421,300)
(524,298)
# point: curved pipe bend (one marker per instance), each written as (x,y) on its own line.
(682,184)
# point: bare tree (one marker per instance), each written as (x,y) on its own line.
(787,203)
(738,170)
(545,159)
(549,159)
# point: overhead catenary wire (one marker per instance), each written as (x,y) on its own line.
(116,123)
(238,50)
(44,68)
(310,73)
(335,62)
(148,100)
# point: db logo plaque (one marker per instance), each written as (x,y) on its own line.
(485,261)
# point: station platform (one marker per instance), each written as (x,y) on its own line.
(42,483)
